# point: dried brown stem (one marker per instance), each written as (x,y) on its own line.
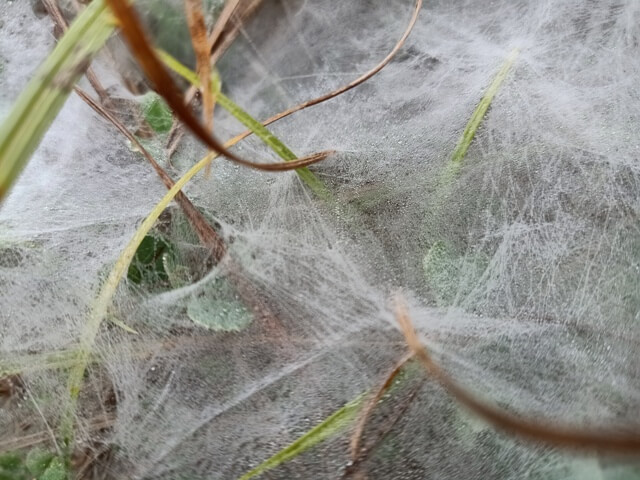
(356,437)
(198,31)
(361,79)
(355,467)
(359,453)
(231,30)
(358,81)
(165,86)
(537,430)
(221,23)
(173,139)
(224,33)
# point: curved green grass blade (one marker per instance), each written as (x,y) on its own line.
(44,95)
(101,305)
(329,427)
(314,183)
(478,114)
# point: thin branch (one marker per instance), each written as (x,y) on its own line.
(198,31)
(358,81)
(538,430)
(363,78)
(360,453)
(173,139)
(356,437)
(207,235)
(223,19)
(231,30)
(354,469)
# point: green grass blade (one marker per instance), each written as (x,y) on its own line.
(441,264)
(478,114)
(257,128)
(314,183)
(273,142)
(454,165)
(182,70)
(329,427)
(44,95)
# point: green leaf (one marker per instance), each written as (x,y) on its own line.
(55,471)
(156,112)
(10,462)
(4,475)
(44,95)
(179,275)
(217,309)
(450,275)
(442,271)
(622,472)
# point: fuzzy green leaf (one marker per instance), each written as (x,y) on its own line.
(55,471)
(157,113)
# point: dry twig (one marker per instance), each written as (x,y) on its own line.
(538,430)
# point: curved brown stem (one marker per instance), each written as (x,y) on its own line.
(560,436)
(154,69)
(356,437)
(361,79)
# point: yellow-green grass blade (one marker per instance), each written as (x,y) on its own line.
(332,425)
(474,122)
(101,305)
(24,364)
